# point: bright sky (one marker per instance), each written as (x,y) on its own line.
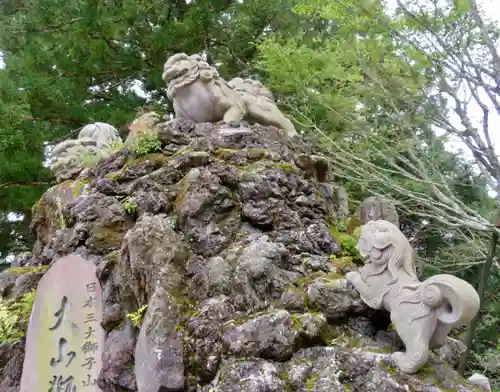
(474,111)
(492,9)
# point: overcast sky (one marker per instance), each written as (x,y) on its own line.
(474,111)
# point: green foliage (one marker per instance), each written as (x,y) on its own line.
(146,144)
(114,147)
(347,242)
(129,205)
(14,317)
(138,316)
(348,246)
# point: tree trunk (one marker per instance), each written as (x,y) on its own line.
(483,283)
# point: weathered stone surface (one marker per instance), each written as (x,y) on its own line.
(102,222)
(49,212)
(480,380)
(226,235)
(64,335)
(337,199)
(151,251)
(117,372)
(332,369)
(293,299)
(451,351)
(377,208)
(250,375)
(206,212)
(159,353)
(7,283)
(11,363)
(22,260)
(334,298)
(270,336)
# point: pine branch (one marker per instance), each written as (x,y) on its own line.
(51,28)
(53,120)
(25,183)
(109,72)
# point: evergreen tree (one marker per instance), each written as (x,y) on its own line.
(74,62)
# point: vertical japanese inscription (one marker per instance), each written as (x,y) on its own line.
(65,338)
(58,382)
(90,346)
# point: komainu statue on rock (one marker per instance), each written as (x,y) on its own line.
(94,142)
(103,134)
(201,95)
(68,157)
(423,313)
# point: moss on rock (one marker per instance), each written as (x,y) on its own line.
(25,270)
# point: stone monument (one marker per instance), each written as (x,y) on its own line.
(423,313)
(201,95)
(65,339)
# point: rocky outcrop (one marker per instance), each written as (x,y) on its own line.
(11,366)
(228,236)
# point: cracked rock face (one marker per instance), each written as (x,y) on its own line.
(226,235)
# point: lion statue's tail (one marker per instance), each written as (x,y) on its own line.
(456,302)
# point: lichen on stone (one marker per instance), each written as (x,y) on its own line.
(228,253)
(25,270)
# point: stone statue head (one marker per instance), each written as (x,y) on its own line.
(180,70)
(103,134)
(382,244)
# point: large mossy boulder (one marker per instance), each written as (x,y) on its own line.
(222,269)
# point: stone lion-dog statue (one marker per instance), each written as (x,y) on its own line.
(201,95)
(423,313)
(94,142)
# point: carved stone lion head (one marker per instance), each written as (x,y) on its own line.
(102,133)
(382,243)
(180,70)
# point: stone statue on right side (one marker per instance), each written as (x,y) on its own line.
(423,313)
